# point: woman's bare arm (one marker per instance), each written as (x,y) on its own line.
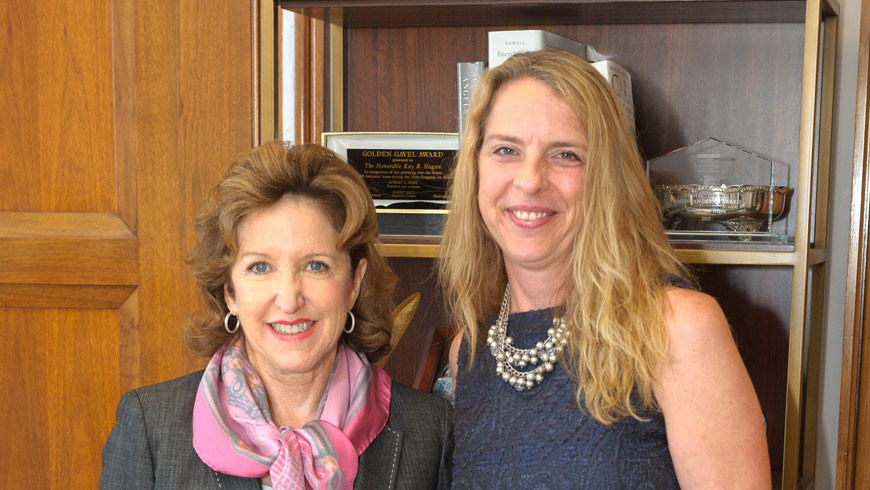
(714,423)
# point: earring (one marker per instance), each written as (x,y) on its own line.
(352,323)
(227,324)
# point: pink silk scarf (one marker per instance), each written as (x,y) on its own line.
(233,432)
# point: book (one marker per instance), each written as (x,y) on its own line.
(467,73)
(503,44)
(620,80)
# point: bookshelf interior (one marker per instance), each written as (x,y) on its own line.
(747,72)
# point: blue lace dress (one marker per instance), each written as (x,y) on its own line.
(539,439)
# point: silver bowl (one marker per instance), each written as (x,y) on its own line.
(739,208)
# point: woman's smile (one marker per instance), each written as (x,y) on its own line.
(293,331)
(529,218)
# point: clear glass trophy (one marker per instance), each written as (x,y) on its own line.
(714,190)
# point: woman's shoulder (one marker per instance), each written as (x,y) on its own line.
(412,406)
(176,385)
(405,396)
(167,397)
(698,331)
(691,308)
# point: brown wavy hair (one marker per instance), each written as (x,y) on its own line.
(260,178)
(621,258)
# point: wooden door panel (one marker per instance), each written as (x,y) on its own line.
(64,296)
(56,90)
(117,117)
(67,248)
(69,254)
(59,380)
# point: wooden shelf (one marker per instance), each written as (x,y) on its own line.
(476,13)
(695,253)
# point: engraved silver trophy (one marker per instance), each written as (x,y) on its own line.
(713,190)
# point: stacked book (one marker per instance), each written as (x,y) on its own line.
(503,44)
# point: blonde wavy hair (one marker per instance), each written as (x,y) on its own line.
(622,260)
(260,178)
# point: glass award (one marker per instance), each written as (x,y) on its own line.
(714,190)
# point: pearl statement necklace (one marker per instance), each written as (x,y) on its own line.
(507,356)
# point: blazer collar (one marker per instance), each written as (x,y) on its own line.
(379,463)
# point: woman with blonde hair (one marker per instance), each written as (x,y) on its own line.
(585,358)
(297,307)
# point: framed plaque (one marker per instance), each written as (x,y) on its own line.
(406,173)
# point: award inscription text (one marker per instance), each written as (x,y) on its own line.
(403,174)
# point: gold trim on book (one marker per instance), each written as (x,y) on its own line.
(410,250)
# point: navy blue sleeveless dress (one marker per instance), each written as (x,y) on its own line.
(539,439)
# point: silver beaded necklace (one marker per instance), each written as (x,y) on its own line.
(509,358)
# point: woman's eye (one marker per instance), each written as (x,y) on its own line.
(259,268)
(569,158)
(316,266)
(503,150)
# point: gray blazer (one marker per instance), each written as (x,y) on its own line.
(151,444)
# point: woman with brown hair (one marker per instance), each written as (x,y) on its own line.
(585,359)
(298,305)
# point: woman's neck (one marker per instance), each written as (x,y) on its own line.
(295,398)
(535,290)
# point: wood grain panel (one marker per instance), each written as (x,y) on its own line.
(58,376)
(125,111)
(66,248)
(194,114)
(56,90)
(63,226)
(63,296)
(129,344)
(159,203)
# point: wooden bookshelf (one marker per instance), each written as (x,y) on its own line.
(755,73)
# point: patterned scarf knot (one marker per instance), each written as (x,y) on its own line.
(233,431)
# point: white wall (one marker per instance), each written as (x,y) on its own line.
(838,242)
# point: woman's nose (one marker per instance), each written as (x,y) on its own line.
(531,177)
(290,297)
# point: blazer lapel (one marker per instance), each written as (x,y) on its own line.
(379,463)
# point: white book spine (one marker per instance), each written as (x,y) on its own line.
(620,80)
(503,44)
(467,75)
